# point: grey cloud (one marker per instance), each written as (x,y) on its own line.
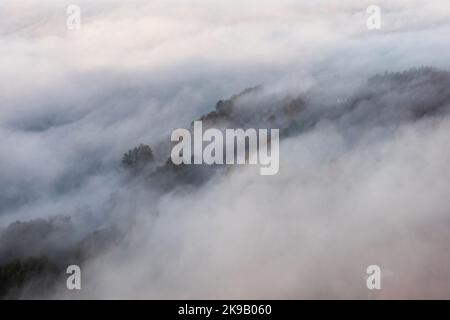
(363,173)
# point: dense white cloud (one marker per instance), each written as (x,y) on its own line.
(71,102)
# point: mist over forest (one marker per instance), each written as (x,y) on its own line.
(86,176)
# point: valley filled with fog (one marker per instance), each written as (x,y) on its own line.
(85,174)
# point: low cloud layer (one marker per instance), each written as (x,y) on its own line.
(364,171)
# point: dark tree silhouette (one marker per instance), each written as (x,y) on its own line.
(138,157)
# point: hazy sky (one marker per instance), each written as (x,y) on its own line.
(73,101)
